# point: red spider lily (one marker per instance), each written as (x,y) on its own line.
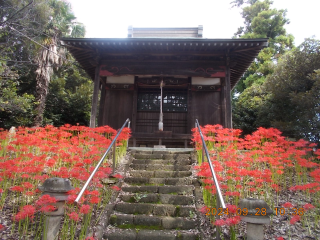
(1,227)
(233,220)
(30,193)
(116,188)
(304,187)
(48,208)
(118,176)
(1,190)
(16,189)
(232,194)
(94,193)
(280,238)
(71,199)
(220,222)
(294,219)
(308,206)
(90,238)
(232,208)
(45,199)
(287,205)
(26,211)
(27,185)
(94,200)
(204,209)
(74,216)
(85,209)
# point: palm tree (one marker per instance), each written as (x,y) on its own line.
(62,24)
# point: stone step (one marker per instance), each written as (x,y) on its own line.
(158,198)
(161,181)
(159,174)
(182,162)
(161,155)
(180,189)
(159,202)
(141,234)
(156,209)
(165,167)
(152,222)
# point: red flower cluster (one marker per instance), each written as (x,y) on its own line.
(256,165)
(26,211)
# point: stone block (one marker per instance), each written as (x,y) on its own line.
(147,220)
(164,210)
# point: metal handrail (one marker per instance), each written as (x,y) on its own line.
(223,205)
(99,163)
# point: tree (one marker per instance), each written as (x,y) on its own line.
(261,21)
(51,56)
(28,28)
(294,88)
(248,113)
(20,21)
(69,98)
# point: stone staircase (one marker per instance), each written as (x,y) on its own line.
(157,200)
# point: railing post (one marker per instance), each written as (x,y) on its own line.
(128,138)
(203,154)
(114,158)
(218,217)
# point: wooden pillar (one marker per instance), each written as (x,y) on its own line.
(190,120)
(228,95)
(223,102)
(134,106)
(95,98)
(101,118)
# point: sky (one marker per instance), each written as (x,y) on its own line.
(111,18)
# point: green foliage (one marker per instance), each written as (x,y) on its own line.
(261,21)
(15,109)
(294,87)
(250,105)
(289,98)
(22,24)
(247,114)
(69,99)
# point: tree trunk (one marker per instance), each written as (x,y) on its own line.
(46,60)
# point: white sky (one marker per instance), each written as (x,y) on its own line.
(111,18)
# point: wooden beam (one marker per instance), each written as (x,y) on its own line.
(161,53)
(228,96)
(167,69)
(95,98)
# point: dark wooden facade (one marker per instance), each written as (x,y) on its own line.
(198,76)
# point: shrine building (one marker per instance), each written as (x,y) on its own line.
(194,76)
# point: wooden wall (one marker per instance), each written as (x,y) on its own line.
(115,107)
(206,107)
(147,122)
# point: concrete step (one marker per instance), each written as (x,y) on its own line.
(180,189)
(161,181)
(163,162)
(152,222)
(158,198)
(141,234)
(164,167)
(156,209)
(159,174)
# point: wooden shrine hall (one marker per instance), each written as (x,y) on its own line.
(170,70)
